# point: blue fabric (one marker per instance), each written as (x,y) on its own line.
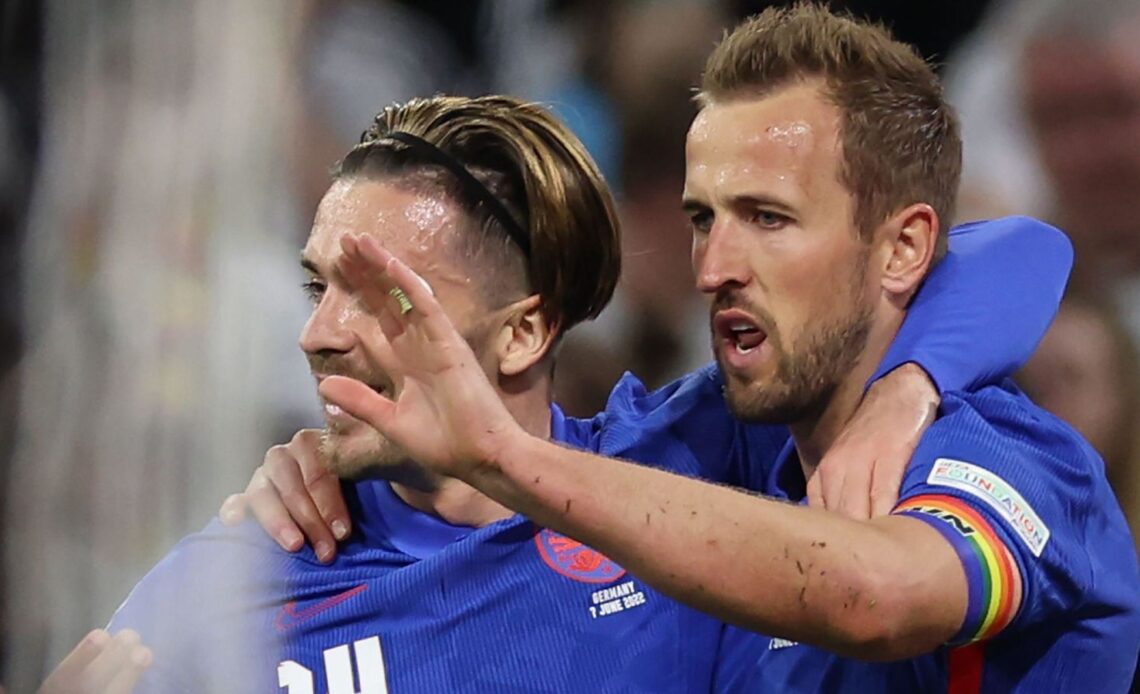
(510,607)
(984,308)
(503,608)
(1078,623)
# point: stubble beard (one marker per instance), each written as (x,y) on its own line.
(805,378)
(808,374)
(362,454)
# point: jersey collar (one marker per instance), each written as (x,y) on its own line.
(384,518)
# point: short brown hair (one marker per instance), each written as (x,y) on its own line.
(535,167)
(900,138)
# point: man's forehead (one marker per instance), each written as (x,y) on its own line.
(792,117)
(778,136)
(398,216)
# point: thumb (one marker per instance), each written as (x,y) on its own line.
(358,400)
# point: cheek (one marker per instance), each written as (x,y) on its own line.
(348,313)
(809,290)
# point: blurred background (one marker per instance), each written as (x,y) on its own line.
(160,164)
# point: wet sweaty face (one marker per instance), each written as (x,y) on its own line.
(775,248)
(422,229)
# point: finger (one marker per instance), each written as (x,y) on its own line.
(358,400)
(285,474)
(323,485)
(854,500)
(63,677)
(396,273)
(831,483)
(265,503)
(426,311)
(815,491)
(886,481)
(370,281)
(233,510)
(329,498)
(371,288)
(131,670)
(99,674)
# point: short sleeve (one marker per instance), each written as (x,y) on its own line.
(194,611)
(1015,493)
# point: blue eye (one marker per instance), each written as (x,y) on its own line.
(768,220)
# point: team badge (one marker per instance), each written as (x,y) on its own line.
(575,560)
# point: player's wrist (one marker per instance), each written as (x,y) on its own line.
(495,453)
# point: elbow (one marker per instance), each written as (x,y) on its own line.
(886,622)
(1055,251)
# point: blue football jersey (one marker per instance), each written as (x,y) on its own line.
(413,604)
(1054,588)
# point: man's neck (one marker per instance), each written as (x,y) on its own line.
(814,436)
(459,503)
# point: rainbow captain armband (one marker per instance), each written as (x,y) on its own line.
(992,575)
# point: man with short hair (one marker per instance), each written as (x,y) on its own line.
(498,207)
(821,174)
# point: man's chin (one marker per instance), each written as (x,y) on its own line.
(758,402)
(355,456)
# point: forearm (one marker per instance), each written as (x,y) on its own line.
(775,568)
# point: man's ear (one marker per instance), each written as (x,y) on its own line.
(911,236)
(525,337)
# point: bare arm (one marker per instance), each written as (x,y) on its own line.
(880,589)
(884,589)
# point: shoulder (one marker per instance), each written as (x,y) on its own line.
(633,413)
(996,446)
(208,566)
(1001,427)
(197,605)
(683,426)
(697,389)
(1040,487)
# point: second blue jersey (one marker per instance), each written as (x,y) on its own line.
(413,604)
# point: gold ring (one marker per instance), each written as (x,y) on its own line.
(402,298)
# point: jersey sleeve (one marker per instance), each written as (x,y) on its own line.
(984,308)
(1017,501)
(189,611)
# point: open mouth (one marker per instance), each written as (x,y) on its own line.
(334,411)
(738,331)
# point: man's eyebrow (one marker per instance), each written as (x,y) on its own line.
(309,265)
(761,200)
(693,205)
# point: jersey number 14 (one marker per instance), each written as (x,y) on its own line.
(342,676)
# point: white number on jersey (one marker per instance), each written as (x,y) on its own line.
(342,677)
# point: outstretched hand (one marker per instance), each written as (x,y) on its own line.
(444,413)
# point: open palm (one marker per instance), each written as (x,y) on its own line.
(446,414)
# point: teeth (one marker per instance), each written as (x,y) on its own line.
(741,326)
(741,350)
(333,410)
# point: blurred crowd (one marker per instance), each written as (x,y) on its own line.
(160,164)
